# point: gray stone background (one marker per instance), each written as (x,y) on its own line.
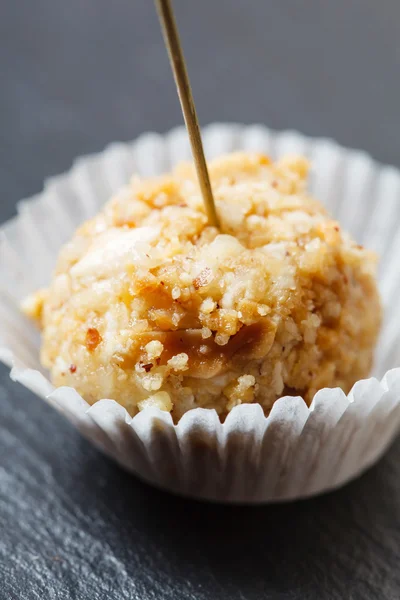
(74,76)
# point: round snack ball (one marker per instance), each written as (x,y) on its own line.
(151,306)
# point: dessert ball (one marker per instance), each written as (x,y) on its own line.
(152,307)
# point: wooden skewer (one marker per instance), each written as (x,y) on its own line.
(172,42)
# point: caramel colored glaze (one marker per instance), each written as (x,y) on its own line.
(161,310)
(206,357)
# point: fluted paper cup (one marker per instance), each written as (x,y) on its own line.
(296,451)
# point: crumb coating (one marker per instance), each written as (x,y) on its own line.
(151,306)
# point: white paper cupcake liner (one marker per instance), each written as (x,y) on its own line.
(296,451)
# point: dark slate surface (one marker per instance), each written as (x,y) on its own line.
(75,75)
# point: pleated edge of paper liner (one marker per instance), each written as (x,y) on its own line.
(370,402)
(35,381)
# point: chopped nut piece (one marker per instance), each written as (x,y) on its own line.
(93,339)
(161,400)
(179,362)
(203,278)
(154,349)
